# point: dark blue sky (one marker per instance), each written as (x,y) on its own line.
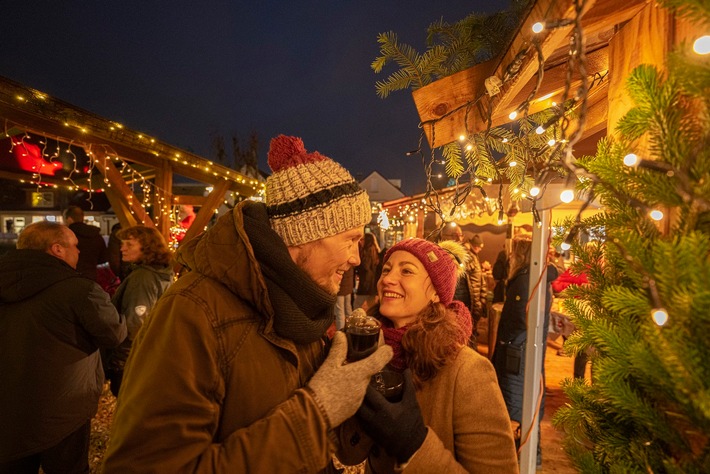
(181,70)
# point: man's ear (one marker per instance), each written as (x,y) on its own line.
(56,250)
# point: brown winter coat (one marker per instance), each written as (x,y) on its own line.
(469,428)
(209,385)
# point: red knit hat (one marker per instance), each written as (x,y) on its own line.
(309,196)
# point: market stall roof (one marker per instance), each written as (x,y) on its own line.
(24,110)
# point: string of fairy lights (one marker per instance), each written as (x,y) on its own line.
(554,161)
(66,151)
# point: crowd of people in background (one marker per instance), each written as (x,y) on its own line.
(212,370)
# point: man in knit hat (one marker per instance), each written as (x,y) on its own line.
(230,372)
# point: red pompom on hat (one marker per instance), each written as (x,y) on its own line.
(309,196)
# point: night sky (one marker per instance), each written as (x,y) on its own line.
(182,71)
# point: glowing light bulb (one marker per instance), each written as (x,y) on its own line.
(660,316)
(462,137)
(469,147)
(505,140)
(538,27)
(565,246)
(567,196)
(631,160)
(513,164)
(656,215)
(540,130)
(551,142)
(534,191)
(513,114)
(702,45)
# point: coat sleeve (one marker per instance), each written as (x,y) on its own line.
(170,411)
(99,317)
(483,436)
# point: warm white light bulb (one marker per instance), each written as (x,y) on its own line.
(656,215)
(538,27)
(462,137)
(565,246)
(505,140)
(702,45)
(534,191)
(551,142)
(540,130)
(631,159)
(660,316)
(513,164)
(567,196)
(513,114)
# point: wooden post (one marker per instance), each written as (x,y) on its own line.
(205,213)
(163,198)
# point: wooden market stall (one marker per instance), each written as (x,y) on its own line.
(533,74)
(117,155)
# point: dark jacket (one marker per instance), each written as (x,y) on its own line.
(512,332)
(52,323)
(134,299)
(210,386)
(92,248)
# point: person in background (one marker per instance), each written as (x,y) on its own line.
(477,285)
(53,322)
(509,354)
(452,417)
(231,372)
(186,216)
(367,272)
(91,245)
(500,275)
(146,249)
(468,289)
(344,303)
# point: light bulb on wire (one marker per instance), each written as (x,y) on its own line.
(656,215)
(538,27)
(660,316)
(631,159)
(534,191)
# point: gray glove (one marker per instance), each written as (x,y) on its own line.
(339,388)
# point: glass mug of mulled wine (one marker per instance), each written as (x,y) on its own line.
(363,334)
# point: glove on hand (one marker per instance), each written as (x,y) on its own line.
(397,427)
(340,388)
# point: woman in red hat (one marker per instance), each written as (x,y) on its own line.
(451,416)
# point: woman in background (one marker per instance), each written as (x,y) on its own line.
(451,417)
(146,250)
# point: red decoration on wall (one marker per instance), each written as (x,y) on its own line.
(29,158)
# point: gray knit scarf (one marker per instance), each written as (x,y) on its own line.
(303,311)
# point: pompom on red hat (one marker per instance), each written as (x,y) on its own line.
(309,196)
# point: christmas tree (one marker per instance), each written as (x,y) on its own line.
(645,315)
